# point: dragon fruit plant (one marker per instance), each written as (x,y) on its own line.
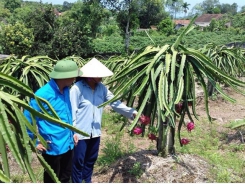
(162,80)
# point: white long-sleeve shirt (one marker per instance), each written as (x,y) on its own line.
(86,115)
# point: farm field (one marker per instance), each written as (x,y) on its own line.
(215,153)
(161,64)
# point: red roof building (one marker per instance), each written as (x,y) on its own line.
(205,19)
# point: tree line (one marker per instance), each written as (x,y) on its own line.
(91,27)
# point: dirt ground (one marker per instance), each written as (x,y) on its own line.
(188,168)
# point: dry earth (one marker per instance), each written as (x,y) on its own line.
(188,169)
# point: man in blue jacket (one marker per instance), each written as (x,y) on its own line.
(60,140)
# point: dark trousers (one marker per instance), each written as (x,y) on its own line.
(62,166)
(85,155)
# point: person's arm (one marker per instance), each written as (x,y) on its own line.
(74,98)
(120,107)
(27,114)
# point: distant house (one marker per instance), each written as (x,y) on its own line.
(146,29)
(236,44)
(3,56)
(205,19)
(181,23)
(153,27)
(57,13)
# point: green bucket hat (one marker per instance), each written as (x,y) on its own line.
(65,69)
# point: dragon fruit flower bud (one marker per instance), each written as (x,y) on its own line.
(137,130)
(152,136)
(190,103)
(190,126)
(145,120)
(185,141)
(179,107)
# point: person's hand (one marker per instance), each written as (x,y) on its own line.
(135,114)
(75,138)
(40,147)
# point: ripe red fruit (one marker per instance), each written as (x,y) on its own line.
(190,126)
(152,136)
(137,130)
(184,141)
(145,120)
(179,107)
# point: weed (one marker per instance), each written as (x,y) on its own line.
(237,147)
(113,150)
(113,147)
(223,176)
(136,170)
(112,121)
(18,179)
(152,147)
(214,97)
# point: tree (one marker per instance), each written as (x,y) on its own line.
(11,5)
(42,21)
(242,9)
(234,8)
(174,6)
(4,14)
(151,13)
(185,7)
(209,5)
(197,9)
(227,8)
(66,6)
(20,15)
(166,26)
(76,29)
(17,39)
(127,16)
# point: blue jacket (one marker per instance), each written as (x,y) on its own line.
(85,112)
(61,138)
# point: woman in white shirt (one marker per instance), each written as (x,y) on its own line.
(86,95)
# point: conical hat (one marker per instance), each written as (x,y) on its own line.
(96,69)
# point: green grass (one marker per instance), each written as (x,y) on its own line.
(208,143)
(114,148)
(112,122)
